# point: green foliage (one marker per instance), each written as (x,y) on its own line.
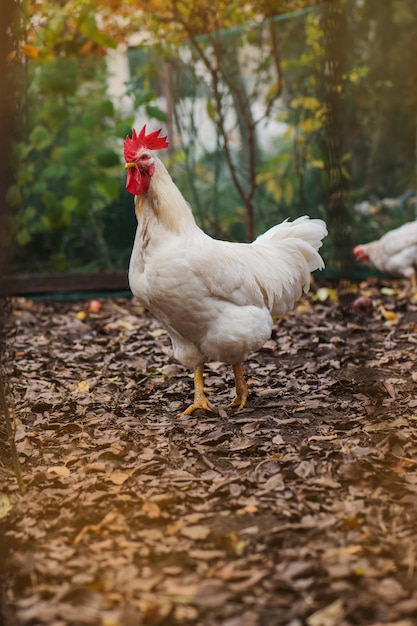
(69,176)
(68,164)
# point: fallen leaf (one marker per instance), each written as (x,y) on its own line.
(197,532)
(325,293)
(211,595)
(83,387)
(331,615)
(388,291)
(151,510)
(158,332)
(5,505)
(207,555)
(59,470)
(391,590)
(117,477)
(390,316)
(98,466)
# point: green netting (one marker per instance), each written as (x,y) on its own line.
(313,112)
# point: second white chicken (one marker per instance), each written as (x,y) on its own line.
(395,253)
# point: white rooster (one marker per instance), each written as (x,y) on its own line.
(215,298)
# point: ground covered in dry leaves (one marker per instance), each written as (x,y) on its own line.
(300,509)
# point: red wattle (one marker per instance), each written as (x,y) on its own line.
(137,183)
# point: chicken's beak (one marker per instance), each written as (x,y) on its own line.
(129,165)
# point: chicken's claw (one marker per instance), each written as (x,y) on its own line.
(200,399)
(202,403)
(239,402)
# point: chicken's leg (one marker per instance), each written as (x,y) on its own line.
(241,386)
(200,399)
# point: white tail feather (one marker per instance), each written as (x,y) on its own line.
(293,250)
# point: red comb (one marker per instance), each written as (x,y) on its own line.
(151,141)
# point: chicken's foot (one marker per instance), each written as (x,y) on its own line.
(200,399)
(241,387)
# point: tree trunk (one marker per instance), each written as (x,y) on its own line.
(332,139)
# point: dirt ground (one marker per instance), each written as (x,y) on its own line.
(299,510)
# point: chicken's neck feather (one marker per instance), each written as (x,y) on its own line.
(164,204)
(373,250)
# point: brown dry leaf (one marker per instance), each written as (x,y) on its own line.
(253,578)
(83,387)
(174,527)
(207,555)
(197,532)
(389,316)
(112,520)
(118,477)
(331,615)
(249,508)
(212,594)
(59,470)
(5,505)
(151,510)
(157,333)
(97,466)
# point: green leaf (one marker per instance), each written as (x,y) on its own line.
(14,196)
(89,28)
(23,237)
(156,113)
(275,189)
(40,138)
(108,188)
(21,151)
(124,128)
(70,203)
(46,223)
(72,154)
(145,96)
(59,76)
(76,134)
(108,158)
(29,214)
(107,108)
(288,192)
(211,110)
(55,172)
(103,40)
(317,163)
(49,200)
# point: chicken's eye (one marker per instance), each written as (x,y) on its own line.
(143,157)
